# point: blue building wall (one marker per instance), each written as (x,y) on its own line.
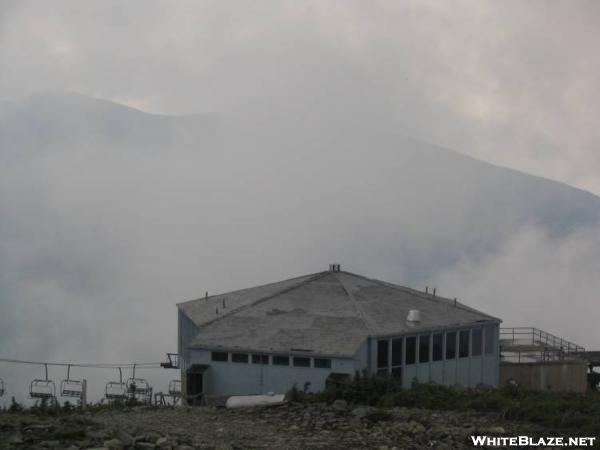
(231,378)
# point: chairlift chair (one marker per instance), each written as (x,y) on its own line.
(139,388)
(1,387)
(175,388)
(116,390)
(71,388)
(43,389)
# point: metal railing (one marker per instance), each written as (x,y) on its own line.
(529,343)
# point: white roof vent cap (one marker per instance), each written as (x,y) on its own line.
(414,315)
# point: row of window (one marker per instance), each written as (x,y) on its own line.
(435,347)
(276,360)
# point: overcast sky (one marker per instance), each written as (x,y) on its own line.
(111,233)
(515,83)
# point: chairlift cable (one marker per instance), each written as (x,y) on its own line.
(147,365)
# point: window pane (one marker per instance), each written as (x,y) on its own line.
(260,359)
(424,349)
(321,363)
(451,345)
(219,356)
(281,360)
(437,347)
(239,357)
(411,349)
(397,352)
(490,339)
(397,374)
(300,361)
(382,353)
(463,344)
(476,341)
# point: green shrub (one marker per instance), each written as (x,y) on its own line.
(555,410)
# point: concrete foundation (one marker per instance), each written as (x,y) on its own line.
(548,375)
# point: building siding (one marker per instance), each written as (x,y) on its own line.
(229,378)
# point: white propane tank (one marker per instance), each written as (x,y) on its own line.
(241,401)
(414,315)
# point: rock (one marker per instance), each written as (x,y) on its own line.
(163,442)
(16,438)
(340,405)
(416,427)
(96,435)
(362,411)
(494,430)
(145,445)
(152,436)
(115,444)
(127,439)
(50,444)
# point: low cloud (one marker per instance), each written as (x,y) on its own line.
(535,280)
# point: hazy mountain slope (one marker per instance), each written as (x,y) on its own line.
(369,195)
(45,121)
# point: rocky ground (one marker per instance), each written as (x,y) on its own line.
(290,426)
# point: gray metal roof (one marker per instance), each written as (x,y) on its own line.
(329,313)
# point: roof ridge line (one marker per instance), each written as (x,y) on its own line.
(268,297)
(246,289)
(425,296)
(364,317)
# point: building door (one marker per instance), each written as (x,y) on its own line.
(195,384)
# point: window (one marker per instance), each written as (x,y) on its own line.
(463,344)
(397,352)
(411,349)
(476,341)
(239,357)
(424,349)
(300,361)
(322,363)
(382,353)
(490,339)
(451,345)
(219,356)
(260,359)
(281,360)
(438,344)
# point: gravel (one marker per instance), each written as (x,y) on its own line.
(290,426)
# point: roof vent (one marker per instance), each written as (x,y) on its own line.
(414,315)
(334,267)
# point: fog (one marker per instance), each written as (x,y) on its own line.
(282,139)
